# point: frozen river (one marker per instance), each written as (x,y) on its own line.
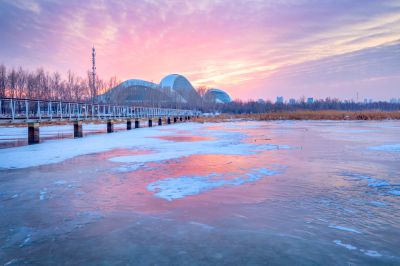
(238,193)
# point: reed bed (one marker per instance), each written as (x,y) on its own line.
(306,115)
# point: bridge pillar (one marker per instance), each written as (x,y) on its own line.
(137,125)
(168,120)
(150,122)
(180,119)
(174,119)
(128,124)
(188,117)
(78,132)
(110,126)
(33,133)
(159,121)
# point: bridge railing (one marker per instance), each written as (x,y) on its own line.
(26,109)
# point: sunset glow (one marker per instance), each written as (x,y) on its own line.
(251,49)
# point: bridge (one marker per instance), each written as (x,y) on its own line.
(33,112)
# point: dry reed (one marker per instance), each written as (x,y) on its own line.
(306,115)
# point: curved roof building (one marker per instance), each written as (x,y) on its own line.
(138,82)
(136,91)
(181,85)
(173,88)
(217,96)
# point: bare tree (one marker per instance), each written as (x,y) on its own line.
(3,80)
(21,83)
(55,87)
(12,83)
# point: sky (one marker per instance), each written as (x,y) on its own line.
(250,48)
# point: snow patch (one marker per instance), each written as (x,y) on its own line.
(371,253)
(372,182)
(27,241)
(55,151)
(343,228)
(381,184)
(180,187)
(11,262)
(348,246)
(128,168)
(42,194)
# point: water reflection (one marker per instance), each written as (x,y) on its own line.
(326,202)
(185,138)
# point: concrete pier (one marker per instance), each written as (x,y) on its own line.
(110,126)
(168,120)
(150,123)
(78,132)
(180,119)
(159,121)
(174,119)
(137,123)
(128,124)
(188,117)
(33,133)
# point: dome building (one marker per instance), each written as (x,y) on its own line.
(217,96)
(172,89)
(180,85)
(135,91)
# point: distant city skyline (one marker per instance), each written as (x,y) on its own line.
(251,49)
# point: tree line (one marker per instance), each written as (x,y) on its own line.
(42,85)
(249,107)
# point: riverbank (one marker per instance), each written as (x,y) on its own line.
(306,115)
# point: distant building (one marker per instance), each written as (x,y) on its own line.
(292,101)
(172,88)
(217,96)
(310,100)
(279,99)
(365,100)
(260,101)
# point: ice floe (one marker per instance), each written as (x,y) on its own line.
(55,151)
(348,246)
(381,185)
(42,194)
(343,228)
(12,262)
(371,253)
(180,187)
(128,168)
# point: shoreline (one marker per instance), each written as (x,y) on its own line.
(305,115)
(272,116)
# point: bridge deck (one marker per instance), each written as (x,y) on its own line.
(28,110)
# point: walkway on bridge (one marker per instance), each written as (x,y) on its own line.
(33,112)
